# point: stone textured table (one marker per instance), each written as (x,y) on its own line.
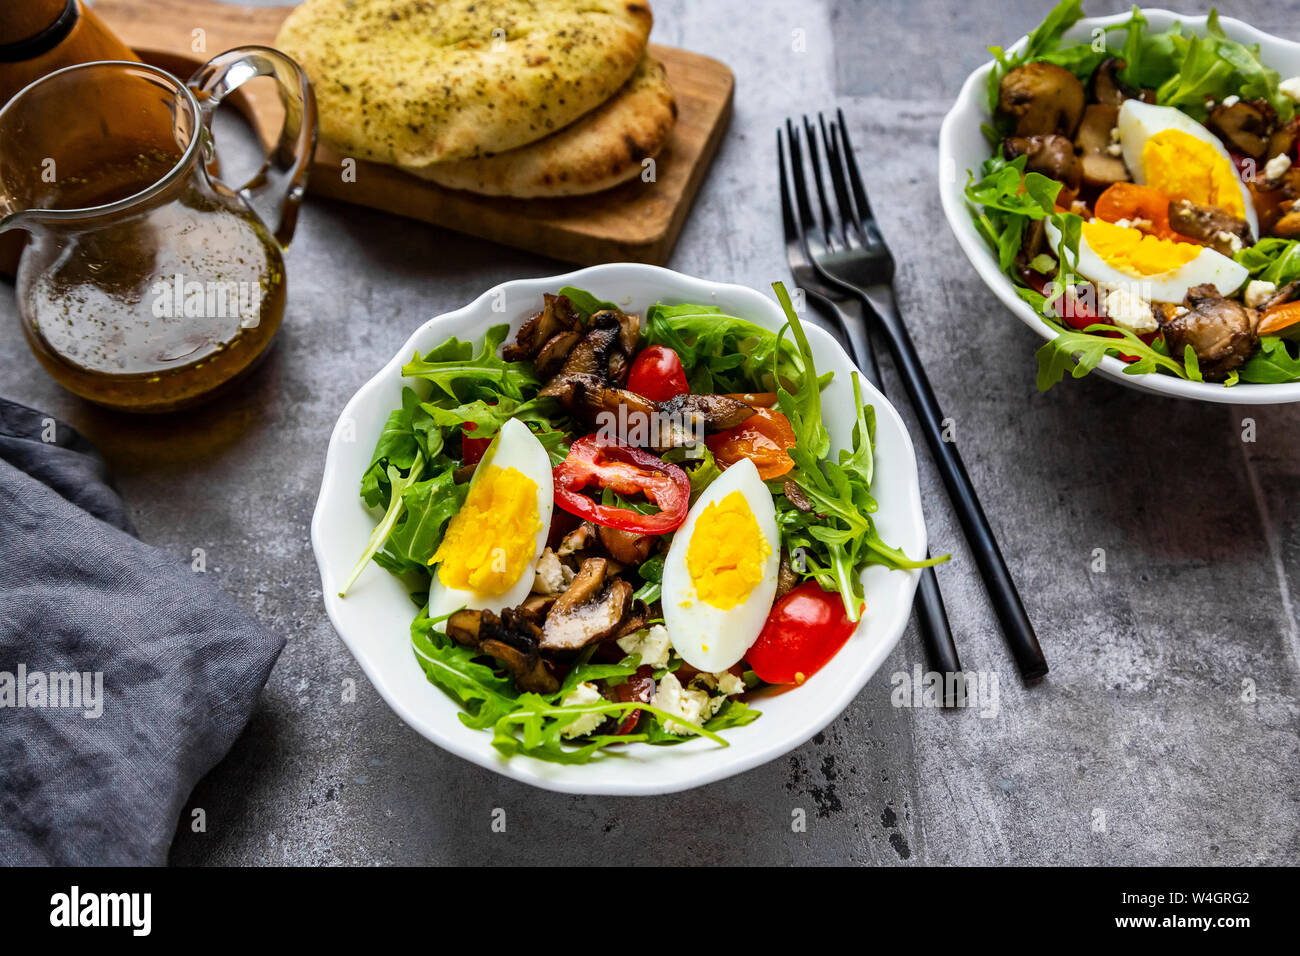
(1167,730)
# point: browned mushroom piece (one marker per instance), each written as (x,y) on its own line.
(579,539)
(629,327)
(1049,155)
(603,404)
(1222,332)
(557,348)
(463,627)
(536,607)
(1215,227)
(590,610)
(787,579)
(1099,167)
(1283,295)
(1283,139)
(513,641)
(625,547)
(683,419)
(1245,126)
(1107,88)
(594,362)
(796,496)
(557,315)
(1042,98)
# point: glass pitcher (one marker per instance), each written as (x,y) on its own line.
(148,283)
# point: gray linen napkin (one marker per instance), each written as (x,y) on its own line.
(124,677)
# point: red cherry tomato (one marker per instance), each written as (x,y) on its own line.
(472,449)
(762,438)
(657,374)
(804,630)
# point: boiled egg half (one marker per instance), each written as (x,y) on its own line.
(720,572)
(1159,270)
(488,556)
(1165,148)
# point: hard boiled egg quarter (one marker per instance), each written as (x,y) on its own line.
(1165,148)
(720,573)
(488,556)
(1158,270)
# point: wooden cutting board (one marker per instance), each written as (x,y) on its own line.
(636,221)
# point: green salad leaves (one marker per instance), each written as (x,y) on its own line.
(412,479)
(1186,71)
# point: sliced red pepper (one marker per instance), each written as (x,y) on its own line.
(627,471)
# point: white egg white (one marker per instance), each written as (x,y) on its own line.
(515,446)
(709,638)
(1139,121)
(1208,267)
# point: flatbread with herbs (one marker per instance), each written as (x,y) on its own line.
(414,82)
(601,150)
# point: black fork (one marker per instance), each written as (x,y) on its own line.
(932,618)
(850,252)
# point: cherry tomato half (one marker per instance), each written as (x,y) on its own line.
(762,438)
(657,374)
(804,630)
(472,449)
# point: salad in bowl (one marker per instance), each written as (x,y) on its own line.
(1140,196)
(615,534)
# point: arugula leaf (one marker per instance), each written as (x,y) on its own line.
(651,571)
(1079,352)
(1273,364)
(584,303)
(396,447)
(398,483)
(837,540)
(1213,67)
(1272,260)
(429,505)
(455,371)
(720,352)
(704,471)
(734,713)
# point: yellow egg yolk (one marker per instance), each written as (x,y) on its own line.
(1135,253)
(727,551)
(490,542)
(1184,167)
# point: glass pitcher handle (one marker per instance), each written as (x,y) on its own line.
(276,190)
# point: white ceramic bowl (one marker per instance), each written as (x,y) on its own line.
(374,620)
(962,147)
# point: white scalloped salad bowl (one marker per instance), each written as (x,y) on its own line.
(962,147)
(374,620)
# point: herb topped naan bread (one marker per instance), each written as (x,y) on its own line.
(601,150)
(414,82)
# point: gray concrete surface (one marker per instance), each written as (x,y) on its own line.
(1167,730)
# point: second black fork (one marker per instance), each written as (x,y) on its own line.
(931,616)
(852,254)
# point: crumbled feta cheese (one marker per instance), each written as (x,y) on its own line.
(651,643)
(1232,100)
(1124,223)
(1180,311)
(1231,239)
(584,693)
(729,684)
(1259,291)
(688,703)
(1276,167)
(1129,310)
(553,576)
(1114,134)
(1290,88)
(1115,149)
